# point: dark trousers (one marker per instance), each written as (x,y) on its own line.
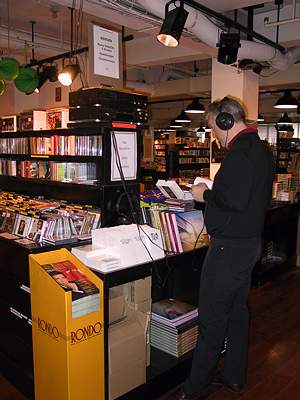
(223,311)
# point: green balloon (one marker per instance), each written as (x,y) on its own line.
(27,80)
(9,68)
(2,87)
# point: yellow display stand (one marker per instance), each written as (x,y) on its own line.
(68,352)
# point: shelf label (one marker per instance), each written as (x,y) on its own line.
(39,156)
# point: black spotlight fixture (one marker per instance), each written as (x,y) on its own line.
(260,118)
(228,47)
(285,120)
(50,73)
(286,101)
(195,107)
(172,27)
(183,118)
(68,74)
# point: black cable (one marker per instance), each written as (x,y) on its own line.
(132,211)
(119,166)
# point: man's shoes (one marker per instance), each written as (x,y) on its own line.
(179,394)
(232,387)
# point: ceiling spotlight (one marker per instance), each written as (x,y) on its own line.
(260,118)
(195,107)
(174,124)
(286,101)
(68,74)
(182,118)
(228,47)
(285,120)
(173,25)
(48,73)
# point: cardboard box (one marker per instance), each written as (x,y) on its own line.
(125,380)
(116,305)
(139,291)
(127,355)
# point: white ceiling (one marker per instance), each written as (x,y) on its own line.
(53,31)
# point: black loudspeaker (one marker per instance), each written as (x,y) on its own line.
(116,209)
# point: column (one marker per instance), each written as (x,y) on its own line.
(230,81)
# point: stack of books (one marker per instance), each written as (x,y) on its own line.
(174,327)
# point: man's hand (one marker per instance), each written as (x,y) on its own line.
(198,190)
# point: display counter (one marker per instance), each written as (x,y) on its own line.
(176,276)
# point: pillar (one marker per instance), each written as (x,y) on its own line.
(230,81)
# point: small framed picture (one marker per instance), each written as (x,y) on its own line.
(58,93)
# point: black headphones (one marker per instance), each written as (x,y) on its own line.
(121,208)
(224,120)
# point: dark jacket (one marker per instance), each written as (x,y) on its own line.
(242,189)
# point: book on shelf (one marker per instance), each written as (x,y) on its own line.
(181,230)
(14,146)
(81,173)
(67,145)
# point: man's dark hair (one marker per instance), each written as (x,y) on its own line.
(55,272)
(228,105)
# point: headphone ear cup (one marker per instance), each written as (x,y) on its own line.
(123,218)
(224,121)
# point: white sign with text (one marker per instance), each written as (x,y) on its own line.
(106,52)
(123,155)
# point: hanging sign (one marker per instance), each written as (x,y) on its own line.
(105,57)
(106,52)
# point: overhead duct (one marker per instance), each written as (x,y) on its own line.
(200,26)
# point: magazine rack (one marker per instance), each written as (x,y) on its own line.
(68,352)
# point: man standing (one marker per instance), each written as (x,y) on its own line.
(234,218)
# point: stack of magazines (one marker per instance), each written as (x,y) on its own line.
(85,294)
(174,327)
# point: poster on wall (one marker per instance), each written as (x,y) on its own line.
(123,155)
(105,57)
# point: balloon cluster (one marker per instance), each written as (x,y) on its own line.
(25,78)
